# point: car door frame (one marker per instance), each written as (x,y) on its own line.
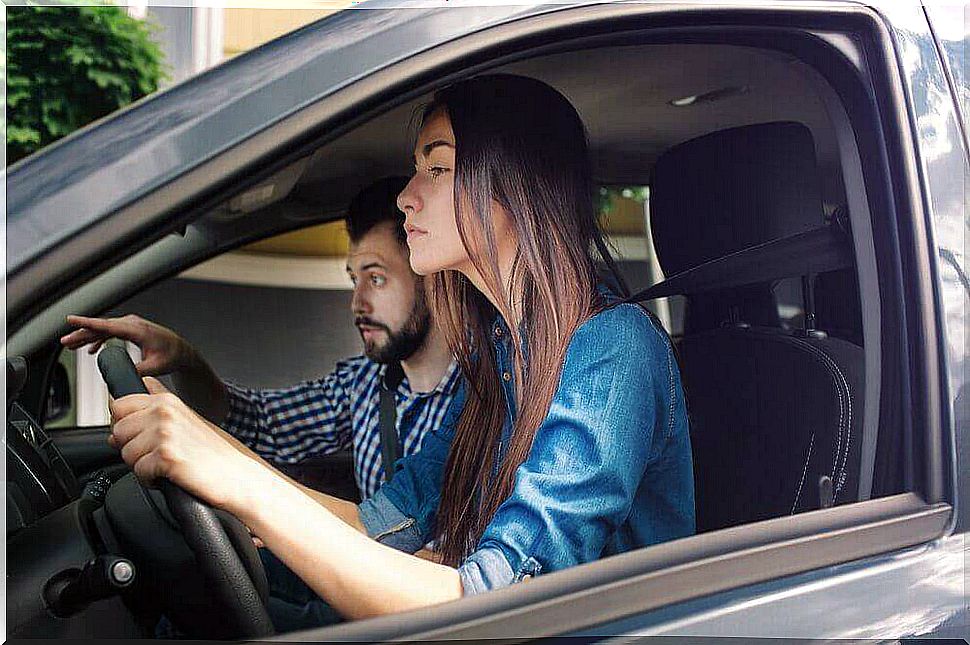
(643,580)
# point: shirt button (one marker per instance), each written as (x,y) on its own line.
(506,376)
(498,331)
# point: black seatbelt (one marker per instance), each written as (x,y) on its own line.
(390,442)
(611,265)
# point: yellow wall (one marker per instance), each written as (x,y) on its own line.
(245,29)
(625,218)
(324,239)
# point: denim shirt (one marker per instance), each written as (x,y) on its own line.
(609,471)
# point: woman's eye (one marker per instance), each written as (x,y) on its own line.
(433,171)
(378,280)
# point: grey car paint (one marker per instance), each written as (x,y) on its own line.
(920,591)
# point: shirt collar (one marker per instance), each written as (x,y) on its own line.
(446,385)
(500,329)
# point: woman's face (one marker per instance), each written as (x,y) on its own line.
(428,200)
(428,203)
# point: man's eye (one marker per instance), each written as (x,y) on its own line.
(378,280)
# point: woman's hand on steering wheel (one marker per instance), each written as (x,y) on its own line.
(161,437)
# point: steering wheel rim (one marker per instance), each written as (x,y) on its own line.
(231,582)
(218,560)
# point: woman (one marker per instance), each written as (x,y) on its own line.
(570,441)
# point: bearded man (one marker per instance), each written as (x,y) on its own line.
(404,355)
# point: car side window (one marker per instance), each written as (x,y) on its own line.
(76,394)
(61,408)
(624,213)
(269,314)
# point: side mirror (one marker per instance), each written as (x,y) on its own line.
(58,394)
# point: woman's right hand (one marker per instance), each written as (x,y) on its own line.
(159,436)
(163,351)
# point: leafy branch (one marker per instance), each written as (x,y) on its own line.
(69,66)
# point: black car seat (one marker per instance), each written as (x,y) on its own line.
(775,414)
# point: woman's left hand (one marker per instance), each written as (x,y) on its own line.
(160,436)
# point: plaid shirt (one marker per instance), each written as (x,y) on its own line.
(339,411)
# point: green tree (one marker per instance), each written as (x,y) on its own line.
(68,66)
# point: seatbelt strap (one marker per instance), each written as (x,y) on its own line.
(611,265)
(390,441)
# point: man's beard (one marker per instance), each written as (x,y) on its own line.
(401,344)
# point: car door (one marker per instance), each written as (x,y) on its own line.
(763,579)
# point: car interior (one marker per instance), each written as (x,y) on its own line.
(761,225)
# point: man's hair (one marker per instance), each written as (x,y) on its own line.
(374,205)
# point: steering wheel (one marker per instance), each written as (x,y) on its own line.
(223,551)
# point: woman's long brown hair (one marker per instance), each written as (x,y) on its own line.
(521,144)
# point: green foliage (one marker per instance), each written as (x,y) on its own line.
(68,66)
(606,194)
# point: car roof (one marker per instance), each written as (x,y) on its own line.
(94,172)
(53,194)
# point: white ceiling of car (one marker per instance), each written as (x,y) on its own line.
(623,95)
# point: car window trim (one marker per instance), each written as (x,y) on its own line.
(639,581)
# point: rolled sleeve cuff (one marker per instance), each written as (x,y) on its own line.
(484,570)
(488,568)
(388,525)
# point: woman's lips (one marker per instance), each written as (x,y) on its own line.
(413,232)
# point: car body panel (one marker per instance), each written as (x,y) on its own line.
(943,168)
(948,175)
(916,592)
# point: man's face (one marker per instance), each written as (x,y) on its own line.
(388,304)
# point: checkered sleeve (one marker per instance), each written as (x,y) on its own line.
(288,425)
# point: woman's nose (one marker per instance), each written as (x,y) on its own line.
(408,201)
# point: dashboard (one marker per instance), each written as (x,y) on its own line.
(55,551)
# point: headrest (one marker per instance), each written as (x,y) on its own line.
(731,190)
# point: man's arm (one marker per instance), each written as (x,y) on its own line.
(258,413)
(163,352)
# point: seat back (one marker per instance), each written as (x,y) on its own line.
(771,415)
(775,414)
